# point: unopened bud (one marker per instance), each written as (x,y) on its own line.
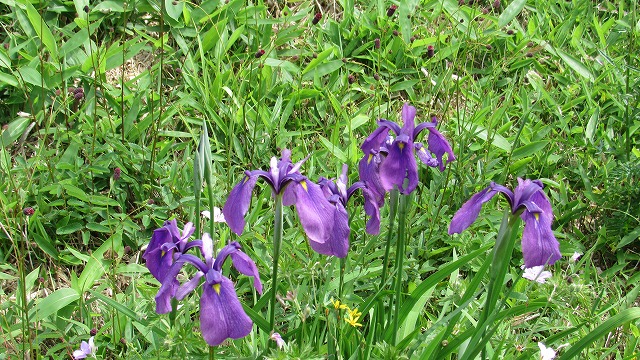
(392,9)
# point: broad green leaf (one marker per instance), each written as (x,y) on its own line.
(319,59)
(529,149)
(31,76)
(70,228)
(576,65)
(52,303)
(333,149)
(323,69)
(510,12)
(14,130)
(174,8)
(41,28)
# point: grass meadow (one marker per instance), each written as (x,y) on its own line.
(120,115)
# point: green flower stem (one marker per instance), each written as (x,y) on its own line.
(212,352)
(393,206)
(400,254)
(502,252)
(277,239)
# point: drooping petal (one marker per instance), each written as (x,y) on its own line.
(314,210)
(157,260)
(221,314)
(338,242)
(539,245)
(369,172)
(170,284)
(224,253)
(468,212)
(523,192)
(439,146)
(238,203)
(372,210)
(399,164)
(243,263)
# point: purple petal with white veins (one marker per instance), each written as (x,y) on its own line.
(238,203)
(314,210)
(539,245)
(221,314)
(439,146)
(399,164)
(243,263)
(469,211)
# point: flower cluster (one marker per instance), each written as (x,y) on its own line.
(320,207)
(221,314)
(390,163)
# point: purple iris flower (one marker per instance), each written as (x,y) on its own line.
(86,349)
(166,245)
(400,163)
(539,245)
(338,195)
(314,210)
(221,314)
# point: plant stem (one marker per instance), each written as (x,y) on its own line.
(400,253)
(277,239)
(393,206)
(212,353)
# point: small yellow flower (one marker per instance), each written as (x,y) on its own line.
(338,305)
(352,318)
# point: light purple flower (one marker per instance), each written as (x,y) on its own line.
(400,162)
(86,349)
(221,314)
(314,210)
(539,245)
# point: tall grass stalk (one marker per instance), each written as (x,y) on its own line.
(400,254)
(277,240)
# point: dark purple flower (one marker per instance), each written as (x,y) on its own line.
(116,174)
(391,10)
(337,194)
(539,245)
(167,243)
(316,18)
(86,349)
(221,314)
(28,211)
(314,210)
(400,163)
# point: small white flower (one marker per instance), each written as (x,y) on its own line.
(576,255)
(218,216)
(278,339)
(546,353)
(537,274)
(23,114)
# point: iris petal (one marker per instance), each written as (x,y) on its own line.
(539,245)
(468,212)
(243,263)
(314,210)
(337,243)
(399,164)
(157,260)
(221,314)
(439,146)
(238,203)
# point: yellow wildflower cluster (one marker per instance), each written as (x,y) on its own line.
(351,316)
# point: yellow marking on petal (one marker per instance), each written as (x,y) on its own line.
(216,287)
(244,181)
(162,253)
(537,215)
(401,145)
(303,183)
(369,158)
